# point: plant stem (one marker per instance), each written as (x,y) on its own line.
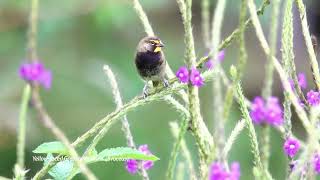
(22,126)
(218,120)
(205,17)
(307,38)
(198,127)
(185,151)
(32,34)
(284,78)
(268,82)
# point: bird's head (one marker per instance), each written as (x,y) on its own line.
(150,44)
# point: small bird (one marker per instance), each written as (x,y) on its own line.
(150,62)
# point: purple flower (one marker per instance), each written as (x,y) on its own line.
(132,165)
(313,98)
(274,115)
(257,112)
(35,72)
(235,171)
(291,147)
(302,81)
(146,164)
(196,78)
(316,163)
(183,74)
(209,64)
(219,58)
(218,172)
(266,112)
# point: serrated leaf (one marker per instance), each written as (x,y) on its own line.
(51,147)
(62,170)
(124,153)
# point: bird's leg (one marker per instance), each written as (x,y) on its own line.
(146,89)
(165,82)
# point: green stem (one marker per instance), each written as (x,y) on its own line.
(185,151)
(205,17)
(22,126)
(308,41)
(267,89)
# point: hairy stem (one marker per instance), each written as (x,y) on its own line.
(21,142)
(185,151)
(308,41)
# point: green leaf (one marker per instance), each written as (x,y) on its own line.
(51,147)
(124,153)
(62,170)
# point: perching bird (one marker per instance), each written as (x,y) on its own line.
(150,62)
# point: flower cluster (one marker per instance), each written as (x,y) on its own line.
(37,73)
(302,81)
(194,76)
(316,163)
(219,58)
(218,172)
(269,111)
(132,164)
(291,147)
(313,98)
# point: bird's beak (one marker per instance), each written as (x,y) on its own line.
(160,44)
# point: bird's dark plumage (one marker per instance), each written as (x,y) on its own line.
(150,61)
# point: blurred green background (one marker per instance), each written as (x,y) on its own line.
(77,37)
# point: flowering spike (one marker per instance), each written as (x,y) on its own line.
(196,78)
(291,147)
(183,74)
(132,165)
(35,72)
(313,98)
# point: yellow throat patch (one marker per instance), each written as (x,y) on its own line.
(157,49)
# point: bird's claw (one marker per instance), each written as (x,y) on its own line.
(165,83)
(145,91)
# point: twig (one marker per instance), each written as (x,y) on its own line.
(184,149)
(22,128)
(44,116)
(307,38)
(284,78)
(48,123)
(234,134)
(205,18)
(268,82)
(198,128)
(32,34)
(218,120)
(124,120)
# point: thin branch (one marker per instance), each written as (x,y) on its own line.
(48,123)
(284,78)
(21,142)
(234,134)
(198,128)
(184,149)
(44,116)
(124,120)
(205,18)
(218,120)
(268,82)
(32,34)
(308,41)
